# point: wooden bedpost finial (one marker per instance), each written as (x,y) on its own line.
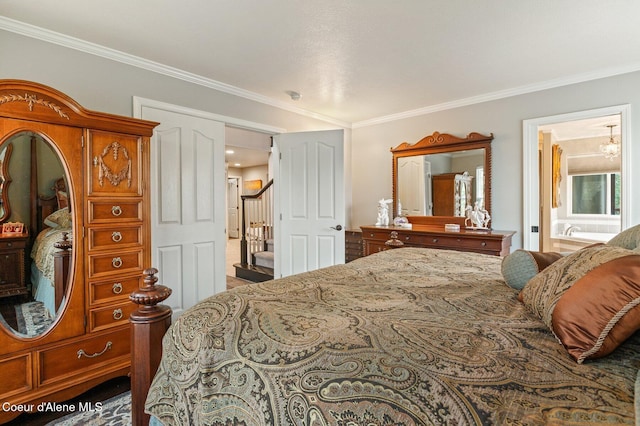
(150,294)
(64,244)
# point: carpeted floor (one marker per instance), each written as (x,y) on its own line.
(33,318)
(233,282)
(113,412)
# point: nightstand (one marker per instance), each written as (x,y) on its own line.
(12,264)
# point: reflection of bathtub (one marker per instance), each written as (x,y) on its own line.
(591,237)
(577,240)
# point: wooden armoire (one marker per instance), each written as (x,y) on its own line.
(452,193)
(105,159)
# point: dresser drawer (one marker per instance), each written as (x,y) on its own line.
(110,316)
(17,375)
(116,262)
(481,244)
(374,247)
(92,354)
(114,211)
(115,237)
(15,244)
(432,241)
(113,290)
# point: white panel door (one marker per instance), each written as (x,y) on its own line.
(188,205)
(411,184)
(309,191)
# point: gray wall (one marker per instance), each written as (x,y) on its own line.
(104,85)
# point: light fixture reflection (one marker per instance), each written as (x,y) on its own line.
(610,149)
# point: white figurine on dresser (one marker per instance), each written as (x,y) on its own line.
(477,217)
(383,212)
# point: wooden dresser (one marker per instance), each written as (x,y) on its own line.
(379,238)
(106,165)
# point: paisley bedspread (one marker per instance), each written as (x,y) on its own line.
(404,337)
(43,249)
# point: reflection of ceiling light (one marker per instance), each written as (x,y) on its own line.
(229,151)
(610,149)
(237,164)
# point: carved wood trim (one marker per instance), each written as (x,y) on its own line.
(442,139)
(32,100)
(105,171)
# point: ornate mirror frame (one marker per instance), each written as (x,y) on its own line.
(439,143)
(5,181)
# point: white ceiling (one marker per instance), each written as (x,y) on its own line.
(587,128)
(356,61)
(245,148)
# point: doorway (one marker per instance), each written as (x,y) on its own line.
(574,195)
(247,155)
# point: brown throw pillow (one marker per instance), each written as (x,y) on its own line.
(589,299)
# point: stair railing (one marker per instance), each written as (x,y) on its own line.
(257,223)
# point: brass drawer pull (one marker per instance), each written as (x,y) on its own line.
(435,240)
(117,288)
(117,314)
(116,262)
(82,353)
(116,237)
(116,210)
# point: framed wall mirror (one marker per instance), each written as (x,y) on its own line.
(442,175)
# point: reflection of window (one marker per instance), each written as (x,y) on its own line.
(480,186)
(595,194)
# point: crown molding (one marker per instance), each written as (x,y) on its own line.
(49,36)
(39,33)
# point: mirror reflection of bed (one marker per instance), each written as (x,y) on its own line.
(34,280)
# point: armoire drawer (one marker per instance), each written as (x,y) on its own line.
(112,290)
(115,262)
(115,237)
(114,211)
(110,316)
(17,375)
(86,355)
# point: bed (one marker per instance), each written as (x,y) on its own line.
(54,225)
(408,336)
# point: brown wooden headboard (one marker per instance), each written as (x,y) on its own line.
(48,205)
